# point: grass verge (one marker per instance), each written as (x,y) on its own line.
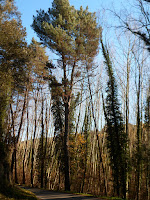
(16,193)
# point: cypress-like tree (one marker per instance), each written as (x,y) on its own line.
(116,137)
(147,149)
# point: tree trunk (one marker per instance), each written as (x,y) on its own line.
(42,152)
(66,148)
(32,156)
(45,174)
(16,139)
(66,134)
(24,180)
(138,140)
(97,137)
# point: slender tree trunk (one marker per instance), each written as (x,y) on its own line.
(16,139)
(24,180)
(138,139)
(66,151)
(98,140)
(32,155)
(42,152)
(148,146)
(66,134)
(127,122)
(45,174)
(86,130)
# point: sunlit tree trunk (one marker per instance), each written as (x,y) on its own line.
(33,141)
(42,145)
(26,145)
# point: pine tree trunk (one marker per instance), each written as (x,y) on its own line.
(66,151)
(66,134)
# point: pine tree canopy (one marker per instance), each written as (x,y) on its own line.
(71,33)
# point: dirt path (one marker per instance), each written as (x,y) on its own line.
(50,195)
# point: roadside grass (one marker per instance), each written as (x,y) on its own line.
(111,198)
(90,195)
(16,193)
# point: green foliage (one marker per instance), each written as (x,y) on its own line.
(70,32)
(13,59)
(116,138)
(13,48)
(37,66)
(13,55)
(57,105)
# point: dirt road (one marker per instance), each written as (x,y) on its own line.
(50,195)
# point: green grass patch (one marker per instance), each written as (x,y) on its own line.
(111,198)
(16,193)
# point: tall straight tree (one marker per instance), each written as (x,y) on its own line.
(74,36)
(116,137)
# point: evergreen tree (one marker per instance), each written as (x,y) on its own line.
(147,109)
(74,36)
(147,148)
(13,59)
(116,137)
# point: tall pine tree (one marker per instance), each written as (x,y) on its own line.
(74,36)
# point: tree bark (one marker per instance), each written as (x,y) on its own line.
(66,134)
(32,155)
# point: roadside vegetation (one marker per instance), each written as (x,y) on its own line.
(16,193)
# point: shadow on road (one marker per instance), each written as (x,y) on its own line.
(51,195)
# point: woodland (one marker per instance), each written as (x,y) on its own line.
(80,122)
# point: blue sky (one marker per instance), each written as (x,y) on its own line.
(28,8)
